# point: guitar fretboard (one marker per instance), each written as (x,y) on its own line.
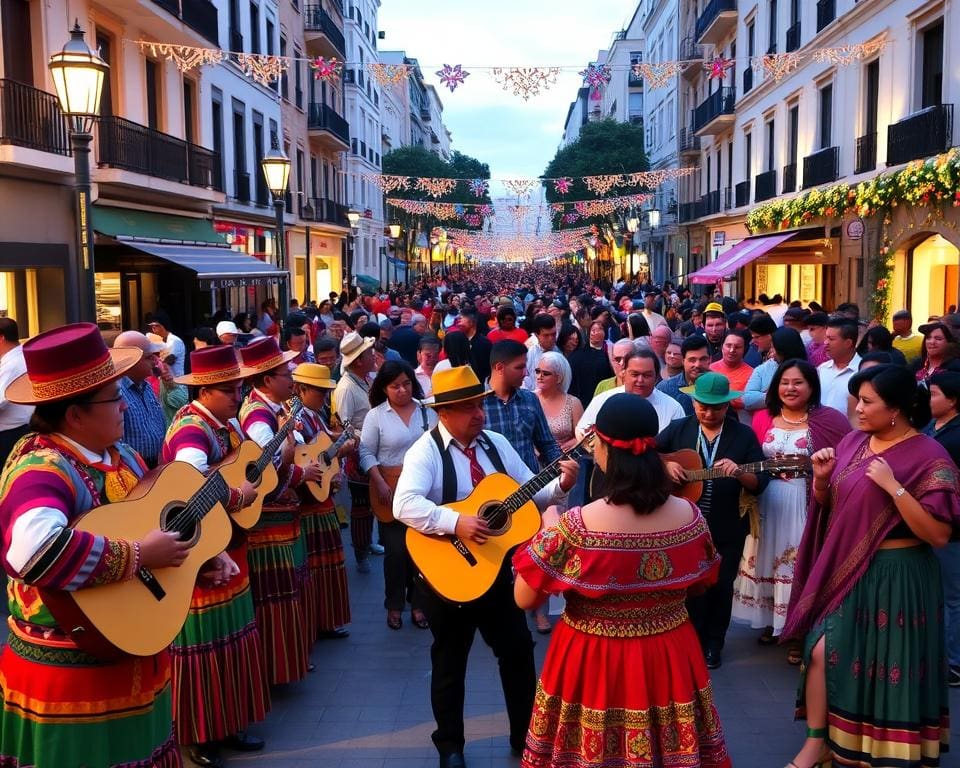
(334,449)
(213,490)
(538,482)
(271,448)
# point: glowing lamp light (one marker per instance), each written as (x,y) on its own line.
(653,217)
(353,216)
(394,231)
(276,170)
(633,224)
(78,73)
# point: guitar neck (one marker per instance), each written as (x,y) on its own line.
(276,441)
(696,475)
(213,490)
(538,482)
(334,449)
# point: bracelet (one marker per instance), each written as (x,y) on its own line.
(136,557)
(900,491)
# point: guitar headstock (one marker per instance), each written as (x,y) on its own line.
(790,465)
(584,446)
(296,405)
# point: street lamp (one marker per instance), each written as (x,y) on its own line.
(276,169)
(394,237)
(353,216)
(78,73)
(653,216)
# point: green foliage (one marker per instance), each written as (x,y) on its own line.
(604,147)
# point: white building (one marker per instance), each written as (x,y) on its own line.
(821,123)
(440,138)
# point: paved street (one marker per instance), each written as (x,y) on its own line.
(368,706)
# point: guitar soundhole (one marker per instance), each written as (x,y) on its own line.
(496,516)
(177,518)
(251,473)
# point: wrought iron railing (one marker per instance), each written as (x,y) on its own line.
(765,185)
(32,118)
(866,153)
(922,134)
(821,167)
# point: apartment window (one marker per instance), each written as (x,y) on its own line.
(792,148)
(313,176)
(241,182)
(254,28)
(772,31)
(719,165)
(269,37)
(16,39)
(871,105)
(826,116)
(285,77)
(931,72)
(732,74)
(771,146)
(749,156)
(299,170)
(730,164)
(105,45)
(189,110)
(298,78)
(152,93)
(216,118)
(706,177)
(751,38)
(234,15)
(263,197)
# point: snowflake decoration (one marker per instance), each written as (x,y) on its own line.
(388,75)
(717,67)
(602,184)
(570,218)
(452,76)
(596,76)
(526,81)
(778,65)
(436,187)
(849,54)
(479,187)
(388,183)
(263,69)
(326,69)
(562,186)
(657,75)
(459,209)
(185,57)
(520,187)
(485,210)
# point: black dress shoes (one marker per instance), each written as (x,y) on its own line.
(713,658)
(334,634)
(244,742)
(452,760)
(207,755)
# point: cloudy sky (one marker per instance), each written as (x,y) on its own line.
(516,138)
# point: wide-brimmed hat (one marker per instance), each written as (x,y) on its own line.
(314,375)
(263,355)
(455,385)
(712,389)
(353,345)
(214,365)
(66,362)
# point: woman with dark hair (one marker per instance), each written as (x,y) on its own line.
(866,598)
(456,347)
(625,564)
(569,340)
(786,344)
(638,330)
(938,352)
(396,419)
(879,339)
(871,359)
(793,423)
(945,429)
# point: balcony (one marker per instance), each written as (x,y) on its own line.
(32,118)
(132,147)
(634,80)
(826,12)
(687,212)
(322,35)
(715,113)
(710,203)
(924,133)
(789,178)
(821,167)
(688,143)
(793,38)
(324,210)
(328,128)
(635,118)
(241,186)
(741,194)
(747,80)
(765,185)
(866,153)
(717,19)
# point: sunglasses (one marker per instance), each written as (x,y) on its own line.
(542,372)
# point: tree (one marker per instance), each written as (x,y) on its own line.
(604,147)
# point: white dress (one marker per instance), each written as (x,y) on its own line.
(762,589)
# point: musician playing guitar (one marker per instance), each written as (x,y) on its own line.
(72,709)
(442,466)
(221,629)
(723,444)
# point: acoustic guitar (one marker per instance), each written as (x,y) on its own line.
(462,571)
(323,450)
(791,465)
(143,615)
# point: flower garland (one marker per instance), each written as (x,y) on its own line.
(934,181)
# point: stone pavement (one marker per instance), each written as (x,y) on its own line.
(367,705)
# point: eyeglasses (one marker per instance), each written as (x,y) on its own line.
(111,401)
(618,358)
(542,372)
(228,390)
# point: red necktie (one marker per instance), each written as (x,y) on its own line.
(476,471)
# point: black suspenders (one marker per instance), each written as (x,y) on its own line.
(450,473)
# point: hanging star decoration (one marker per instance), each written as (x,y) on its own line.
(596,76)
(452,77)
(264,69)
(436,187)
(185,57)
(326,69)
(778,65)
(657,75)
(389,75)
(526,81)
(520,187)
(562,186)
(717,67)
(479,187)
(459,209)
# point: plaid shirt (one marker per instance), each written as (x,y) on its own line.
(144,424)
(521,420)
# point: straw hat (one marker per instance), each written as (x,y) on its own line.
(66,362)
(455,385)
(712,389)
(314,375)
(214,365)
(352,346)
(263,355)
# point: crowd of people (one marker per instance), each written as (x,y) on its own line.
(758,461)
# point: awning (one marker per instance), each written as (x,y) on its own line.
(739,256)
(125,223)
(215,267)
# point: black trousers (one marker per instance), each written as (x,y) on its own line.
(8,439)
(503,627)
(398,569)
(710,612)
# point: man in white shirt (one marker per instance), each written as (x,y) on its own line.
(14,419)
(641,371)
(459,445)
(545,332)
(844,362)
(175,351)
(654,320)
(428,354)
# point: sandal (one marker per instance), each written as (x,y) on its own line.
(544,627)
(419,620)
(795,656)
(394,619)
(767,638)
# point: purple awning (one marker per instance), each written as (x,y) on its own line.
(739,256)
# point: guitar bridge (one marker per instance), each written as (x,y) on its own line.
(462,549)
(151,583)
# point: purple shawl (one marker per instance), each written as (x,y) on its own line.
(840,538)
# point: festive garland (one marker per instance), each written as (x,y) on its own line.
(931,182)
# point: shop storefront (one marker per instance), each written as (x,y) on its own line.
(316,267)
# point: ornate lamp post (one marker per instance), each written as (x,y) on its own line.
(78,73)
(276,169)
(395,231)
(353,216)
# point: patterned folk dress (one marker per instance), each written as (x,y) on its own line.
(219,675)
(326,595)
(277,559)
(624,682)
(61,706)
